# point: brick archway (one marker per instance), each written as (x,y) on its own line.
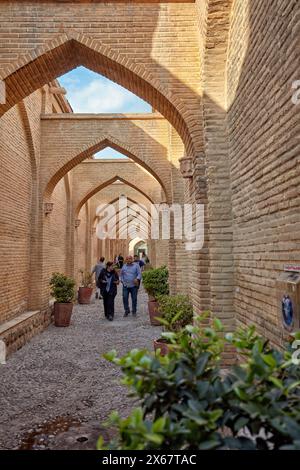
(103,185)
(91,243)
(113,202)
(67,51)
(93,147)
(145,223)
(119,212)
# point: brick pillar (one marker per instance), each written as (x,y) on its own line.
(70,233)
(88,239)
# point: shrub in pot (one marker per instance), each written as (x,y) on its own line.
(187,402)
(63,290)
(86,288)
(176,312)
(155,282)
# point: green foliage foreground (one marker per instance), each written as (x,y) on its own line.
(188,402)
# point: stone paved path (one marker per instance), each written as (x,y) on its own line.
(60,377)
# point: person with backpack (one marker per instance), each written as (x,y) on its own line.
(140,262)
(120,261)
(108,281)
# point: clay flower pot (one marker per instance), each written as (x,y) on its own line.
(153,312)
(161,344)
(84,295)
(62,313)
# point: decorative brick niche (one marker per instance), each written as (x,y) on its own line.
(186,167)
(48,207)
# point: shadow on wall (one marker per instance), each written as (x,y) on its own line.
(263,148)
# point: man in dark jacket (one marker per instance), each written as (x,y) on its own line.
(108,281)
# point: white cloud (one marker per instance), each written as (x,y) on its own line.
(101,96)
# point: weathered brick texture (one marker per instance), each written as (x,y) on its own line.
(263,129)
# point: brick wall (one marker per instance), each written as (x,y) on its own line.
(263,127)
(15,204)
(57,235)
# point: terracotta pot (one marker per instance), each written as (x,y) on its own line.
(161,344)
(84,295)
(151,298)
(62,313)
(153,312)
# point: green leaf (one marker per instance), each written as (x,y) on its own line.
(206,445)
(240,423)
(159,424)
(155,438)
(202,363)
(202,388)
(241,393)
(269,359)
(277,382)
(217,324)
(111,355)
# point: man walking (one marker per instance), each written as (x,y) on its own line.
(120,261)
(130,277)
(139,261)
(97,270)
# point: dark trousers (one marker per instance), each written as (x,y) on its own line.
(109,303)
(133,291)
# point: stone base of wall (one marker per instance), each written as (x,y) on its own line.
(18,331)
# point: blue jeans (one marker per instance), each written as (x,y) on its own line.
(133,291)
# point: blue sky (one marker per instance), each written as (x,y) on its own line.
(108,152)
(89,92)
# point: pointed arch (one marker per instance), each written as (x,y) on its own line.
(101,186)
(118,212)
(115,200)
(93,147)
(69,50)
(145,223)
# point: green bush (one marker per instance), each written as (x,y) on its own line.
(86,278)
(187,402)
(62,288)
(176,311)
(155,281)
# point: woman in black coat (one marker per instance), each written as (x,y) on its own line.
(107,281)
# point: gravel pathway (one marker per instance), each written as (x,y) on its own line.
(57,389)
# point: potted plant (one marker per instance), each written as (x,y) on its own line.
(176,313)
(155,282)
(63,290)
(86,289)
(187,402)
